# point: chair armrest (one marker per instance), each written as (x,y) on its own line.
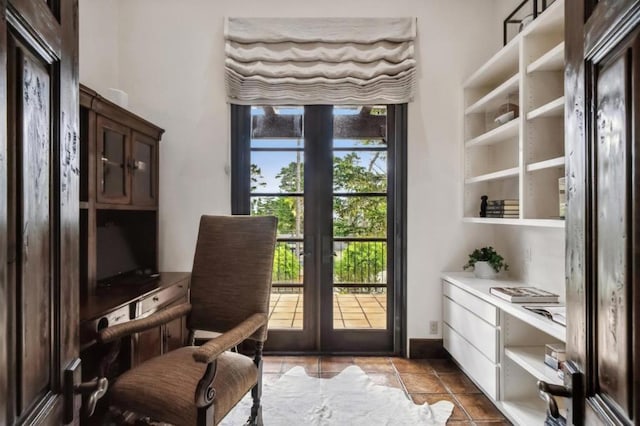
(214,347)
(110,334)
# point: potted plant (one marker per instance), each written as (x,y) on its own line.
(486,262)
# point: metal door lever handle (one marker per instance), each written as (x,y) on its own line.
(547,392)
(96,389)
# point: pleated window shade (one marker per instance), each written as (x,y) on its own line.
(306,61)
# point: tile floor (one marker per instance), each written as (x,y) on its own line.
(421,380)
(350,311)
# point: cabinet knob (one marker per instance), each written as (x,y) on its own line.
(138,165)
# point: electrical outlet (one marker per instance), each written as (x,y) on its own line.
(527,255)
(433,327)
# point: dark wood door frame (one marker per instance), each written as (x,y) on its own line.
(319,134)
(595,32)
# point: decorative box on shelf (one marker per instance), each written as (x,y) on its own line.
(555,355)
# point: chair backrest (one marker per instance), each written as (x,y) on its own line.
(231,276)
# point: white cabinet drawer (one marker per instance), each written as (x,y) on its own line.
(476,331)
(476,365)
(484,310)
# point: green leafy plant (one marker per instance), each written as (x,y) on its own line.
(487,254)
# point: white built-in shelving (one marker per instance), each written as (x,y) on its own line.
(501,174)
(504,132)
(523,158)
(494,98)
(555,108)
(520,340)
(553,60)
(531,359)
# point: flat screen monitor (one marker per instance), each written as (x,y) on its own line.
(116,256)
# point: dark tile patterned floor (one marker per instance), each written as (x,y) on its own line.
(421,380)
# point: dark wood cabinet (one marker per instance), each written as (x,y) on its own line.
(121,148)
(119,242)
(118,193)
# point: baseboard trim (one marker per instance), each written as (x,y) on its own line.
(427,348)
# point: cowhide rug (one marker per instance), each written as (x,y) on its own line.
(349,399)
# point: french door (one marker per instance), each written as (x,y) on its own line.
(331,176)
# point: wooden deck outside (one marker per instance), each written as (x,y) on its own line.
(350,311)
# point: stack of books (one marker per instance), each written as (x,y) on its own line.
(524,294)
(503,208)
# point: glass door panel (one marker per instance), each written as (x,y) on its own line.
(277,188)
(143,168)
(360,221)
(113,174)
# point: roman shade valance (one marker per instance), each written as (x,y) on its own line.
(304,61)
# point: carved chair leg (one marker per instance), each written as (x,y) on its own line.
(256,392)
(205,416)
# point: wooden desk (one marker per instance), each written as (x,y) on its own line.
(115,305)
(118,304)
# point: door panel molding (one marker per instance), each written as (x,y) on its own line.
(35,21)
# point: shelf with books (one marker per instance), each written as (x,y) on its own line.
(524,157)
(520,342)
(540,223)
(531,358)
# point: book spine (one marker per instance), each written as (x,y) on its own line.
(503,203)
(503,208)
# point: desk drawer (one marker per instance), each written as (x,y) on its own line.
(483,309)
(155,301)
(476,365)
(89,329)
(482,335)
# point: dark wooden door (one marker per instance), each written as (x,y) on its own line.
(603,220)
(38,210)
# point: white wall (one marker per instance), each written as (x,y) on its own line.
(99,42)
(170,57)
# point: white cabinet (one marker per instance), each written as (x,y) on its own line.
(499,345)
(521,159)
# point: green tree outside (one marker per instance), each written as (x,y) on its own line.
(353,216)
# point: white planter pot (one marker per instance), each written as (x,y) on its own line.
(484,270)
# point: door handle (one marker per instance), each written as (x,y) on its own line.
(94,389)
(547,392)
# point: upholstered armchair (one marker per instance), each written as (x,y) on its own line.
(230,287)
